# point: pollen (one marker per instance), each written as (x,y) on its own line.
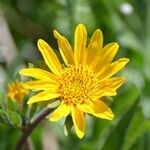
(77,84)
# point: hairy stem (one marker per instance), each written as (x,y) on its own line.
(31,126)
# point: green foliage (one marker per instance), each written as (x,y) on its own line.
(116,138)
(68,125)
(32,19)
(14,118)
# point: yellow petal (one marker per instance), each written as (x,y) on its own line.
(65,49)
(43,96)
(97,108)
(62,111)
(38,74)
(40,85)
(108,87)
(94,46)
(111,69)
(104,56)
(50,57)
(80,44)
(79,121)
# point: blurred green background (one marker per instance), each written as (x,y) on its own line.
(23,22)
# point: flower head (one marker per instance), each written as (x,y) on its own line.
(82,82)
(16,91)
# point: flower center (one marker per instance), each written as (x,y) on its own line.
(77,84)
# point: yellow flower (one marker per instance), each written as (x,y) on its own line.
(85,79)
(16,91)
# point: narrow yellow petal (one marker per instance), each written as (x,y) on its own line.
(80,44)
(38,74)
(108,87)
(79,121)
(50,57)
(97,108)
(104,56)
(94,46)
(65,49)
(43,96)
(112,68)
(40,85)
(62,111)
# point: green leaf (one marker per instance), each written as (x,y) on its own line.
(1,99)
(4,118)
(15,118)
(142,143)
(68,125)
(2,115)
(125,99)
(86,146)
(116,137)
(120,104)
(12,105)
(138,127)
(146,107)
